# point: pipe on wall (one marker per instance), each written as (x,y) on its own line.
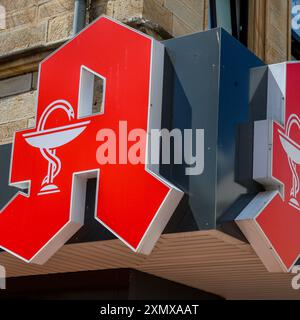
(79,19)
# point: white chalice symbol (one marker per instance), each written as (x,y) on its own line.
(48,140)
(292,150)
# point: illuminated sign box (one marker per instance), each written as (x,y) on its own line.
(206,80)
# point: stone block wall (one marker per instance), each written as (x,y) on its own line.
(16,113)
(32,23)
(177,17)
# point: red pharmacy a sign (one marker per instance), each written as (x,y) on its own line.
(271,222)
(54,160)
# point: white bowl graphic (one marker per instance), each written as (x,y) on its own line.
(56,137)
(48,140)
(291,148)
